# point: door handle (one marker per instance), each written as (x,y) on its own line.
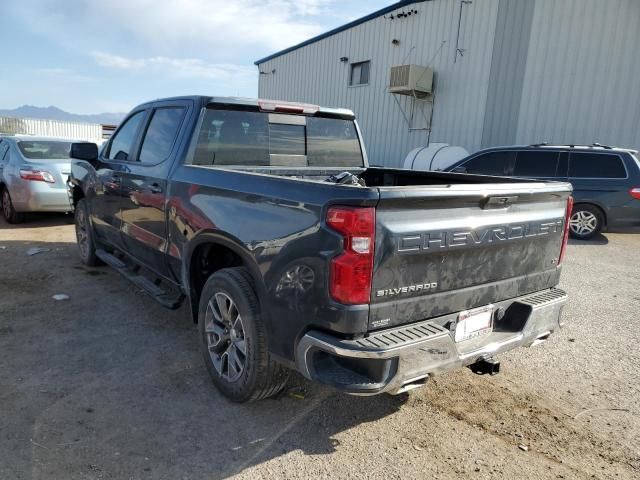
(155,188)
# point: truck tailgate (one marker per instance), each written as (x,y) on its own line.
(443,249)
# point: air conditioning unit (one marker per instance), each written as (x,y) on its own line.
(411,80)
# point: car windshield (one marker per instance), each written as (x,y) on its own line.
(45,149)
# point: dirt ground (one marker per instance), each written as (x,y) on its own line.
(109,385)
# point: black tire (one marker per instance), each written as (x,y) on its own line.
(85,236)
(9,213)
(586,221)
(260,376)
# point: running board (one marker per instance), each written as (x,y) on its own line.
(171,300)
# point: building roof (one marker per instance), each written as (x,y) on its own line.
(347,26)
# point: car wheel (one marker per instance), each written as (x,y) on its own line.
(234,338)
(586,221)
(84,236)
(10,214)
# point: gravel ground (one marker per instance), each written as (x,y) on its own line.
(108,384)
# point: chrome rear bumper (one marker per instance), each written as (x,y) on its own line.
(398,359)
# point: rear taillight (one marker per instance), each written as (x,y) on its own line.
(565,234)
(635,193)
(350,272)
(37,175)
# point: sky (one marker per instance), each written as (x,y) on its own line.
(94,56)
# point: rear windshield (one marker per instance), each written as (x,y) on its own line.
(246,138)
(44,149)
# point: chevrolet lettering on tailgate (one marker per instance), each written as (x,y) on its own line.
(449,239)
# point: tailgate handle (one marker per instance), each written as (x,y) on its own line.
(499,202)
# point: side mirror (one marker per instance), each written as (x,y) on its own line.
(85,151)
(460,169)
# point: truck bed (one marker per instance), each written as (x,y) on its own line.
(378,176)
(472,239)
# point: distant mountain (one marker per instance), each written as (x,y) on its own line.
(54,113)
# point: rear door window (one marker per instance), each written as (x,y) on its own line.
(491,163)
(596,165)
(535,164)
(161,134)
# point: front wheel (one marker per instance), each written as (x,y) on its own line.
(10,214)
(85,236)
(234,338)
(586,222)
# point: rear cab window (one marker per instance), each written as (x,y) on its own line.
(596,165)
(252,138)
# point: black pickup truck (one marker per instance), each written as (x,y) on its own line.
(292,253)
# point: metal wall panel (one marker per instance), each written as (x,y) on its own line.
(562,71)
(508,65)
(52,128)
(314,73)
(583,74)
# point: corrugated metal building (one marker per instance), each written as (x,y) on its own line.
(505,72)
(52,128)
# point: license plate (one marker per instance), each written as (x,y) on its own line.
(474,323)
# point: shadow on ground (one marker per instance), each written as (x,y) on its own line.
(108,384)
(599,239)
(38,220)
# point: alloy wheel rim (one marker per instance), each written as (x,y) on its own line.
(224,332)
(583,222)
(81,234)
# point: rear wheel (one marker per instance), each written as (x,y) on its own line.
(84,235)
(10,214)
(586,221)
(234,338)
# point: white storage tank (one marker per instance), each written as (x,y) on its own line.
(436,156)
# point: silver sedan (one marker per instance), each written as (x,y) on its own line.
(33,176)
